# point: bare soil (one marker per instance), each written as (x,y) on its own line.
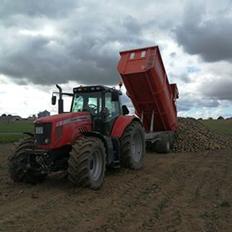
(174,192)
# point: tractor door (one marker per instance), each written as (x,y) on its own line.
(110,111)
(112,106)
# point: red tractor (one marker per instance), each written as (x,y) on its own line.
(98,132)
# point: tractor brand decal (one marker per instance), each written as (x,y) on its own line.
(71,120)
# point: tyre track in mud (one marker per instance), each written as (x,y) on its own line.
(30,206)
(87,205)
(199,197)
(170,216)
(149,190)
(217,213)
(180,192)
(83,198)
(161,216)
(136,194)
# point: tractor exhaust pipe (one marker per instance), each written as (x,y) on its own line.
(60,100)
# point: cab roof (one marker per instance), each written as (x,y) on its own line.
(95,88)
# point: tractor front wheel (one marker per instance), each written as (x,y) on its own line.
(23,166)
(87,163)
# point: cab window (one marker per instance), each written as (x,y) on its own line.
(90,102)
(77,104)
(111,106)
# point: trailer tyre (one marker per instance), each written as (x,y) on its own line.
(87,163)
(23,166)
(163,145)
(133,146)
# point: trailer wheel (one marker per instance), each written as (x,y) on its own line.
(163,145)
(23,166)
(87,163)
(133,146)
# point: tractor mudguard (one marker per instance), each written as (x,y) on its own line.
(96,134)
(120,125)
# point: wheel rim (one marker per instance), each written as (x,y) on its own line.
(137,146)
(95,165)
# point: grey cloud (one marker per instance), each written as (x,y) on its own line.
(173,54)
(188,102)
(90,35)
(86,43)
(204,34)
(51,8)
(183,76)
(84,50)
(218,89)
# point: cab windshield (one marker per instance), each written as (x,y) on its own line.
(91,102)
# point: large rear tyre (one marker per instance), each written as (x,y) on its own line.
(87,163)
(23,166)
(133,146)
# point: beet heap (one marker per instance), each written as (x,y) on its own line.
(193,136)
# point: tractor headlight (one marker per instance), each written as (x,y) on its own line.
(43,133)
(39,130)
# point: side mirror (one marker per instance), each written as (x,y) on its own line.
(53,100)
(114,97)
(125,110)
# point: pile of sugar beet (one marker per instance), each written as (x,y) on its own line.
(193,136)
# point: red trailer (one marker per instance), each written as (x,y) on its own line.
(154,99)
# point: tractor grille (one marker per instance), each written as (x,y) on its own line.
(43,133)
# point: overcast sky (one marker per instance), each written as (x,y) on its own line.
(75,42)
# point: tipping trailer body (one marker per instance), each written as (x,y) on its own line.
(147,85)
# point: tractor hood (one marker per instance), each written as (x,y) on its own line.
(59,130)
(65,118)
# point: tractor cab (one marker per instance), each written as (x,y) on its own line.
(101,102)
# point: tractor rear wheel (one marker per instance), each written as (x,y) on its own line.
(23,166)
(87,163)
(133,146)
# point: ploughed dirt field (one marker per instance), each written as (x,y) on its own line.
(174,192)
